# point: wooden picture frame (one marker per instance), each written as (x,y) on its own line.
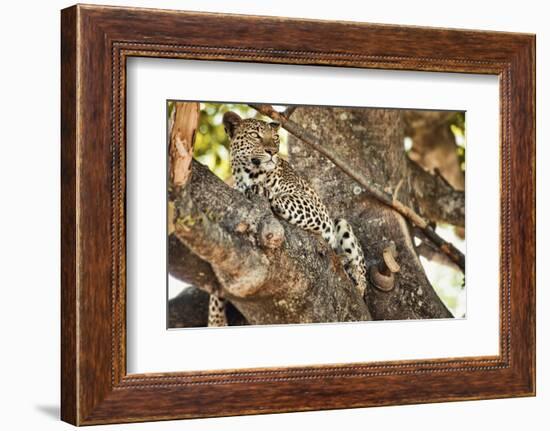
(95,43)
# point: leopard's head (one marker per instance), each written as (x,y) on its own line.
(254,143)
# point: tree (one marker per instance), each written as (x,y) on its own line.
(273,272)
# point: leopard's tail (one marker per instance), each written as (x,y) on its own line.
(349,248)
(216,311)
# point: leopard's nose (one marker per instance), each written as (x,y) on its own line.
(271,151)
(256,161)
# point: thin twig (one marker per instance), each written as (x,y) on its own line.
(449,249)
(288,111)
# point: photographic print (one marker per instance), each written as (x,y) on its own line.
(313,214)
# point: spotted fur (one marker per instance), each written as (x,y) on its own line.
(257,169)
(216,311)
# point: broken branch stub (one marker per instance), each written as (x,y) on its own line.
(382,275)
(184,125)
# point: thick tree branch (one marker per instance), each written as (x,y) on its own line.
(437,200)
(271,271)
(372,189)
(240,267)
(186,266)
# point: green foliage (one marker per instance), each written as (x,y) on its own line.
(211,143)
(457,123)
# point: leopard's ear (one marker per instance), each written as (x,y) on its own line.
(230,122)
(275,125)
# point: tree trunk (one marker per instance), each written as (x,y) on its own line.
(372,141)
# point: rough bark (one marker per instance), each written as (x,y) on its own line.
(186,266)
(435,198)
(372,140)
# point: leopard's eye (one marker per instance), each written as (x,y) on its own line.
(255,135)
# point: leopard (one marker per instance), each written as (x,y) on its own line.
(258,169)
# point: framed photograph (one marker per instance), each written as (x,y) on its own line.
(286,215)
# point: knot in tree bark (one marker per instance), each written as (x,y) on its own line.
(271,233)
